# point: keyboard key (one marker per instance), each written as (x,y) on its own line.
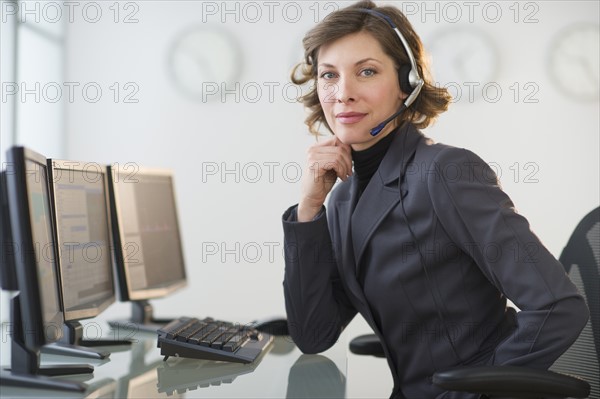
(212,336)
(172,328)
(218,343)
(184,327)
(197,337)
(185,334)
(234,343)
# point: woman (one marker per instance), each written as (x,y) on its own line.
(420,239)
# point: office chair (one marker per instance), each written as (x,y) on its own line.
(581,259)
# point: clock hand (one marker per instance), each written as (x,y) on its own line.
(192,52)
(459,65)
(205,68)
(589,71)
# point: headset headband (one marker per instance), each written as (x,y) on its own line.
(414,79)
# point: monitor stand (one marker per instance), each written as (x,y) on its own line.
(142,319)
(25,368)
(72,343)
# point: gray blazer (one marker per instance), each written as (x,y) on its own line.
(439,304)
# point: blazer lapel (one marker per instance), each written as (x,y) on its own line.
(344,214)
(347,265)
(383,191)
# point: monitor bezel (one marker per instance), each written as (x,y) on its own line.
(122,270)
(26,265)
(79,166)
(8,250)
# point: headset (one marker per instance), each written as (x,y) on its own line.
(410,82)
(408,75)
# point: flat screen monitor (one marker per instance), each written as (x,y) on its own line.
(80,205)
(31,222)
(148,249)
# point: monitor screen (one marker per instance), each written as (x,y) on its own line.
(31,223)
(41,228)
(148,248)
(83,236)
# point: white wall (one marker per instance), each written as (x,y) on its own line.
(31,65)
(555,138)
(558,134)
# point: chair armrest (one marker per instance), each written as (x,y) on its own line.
(512,381)
(367,345)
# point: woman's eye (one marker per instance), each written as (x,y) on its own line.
(368,72)
(327,75)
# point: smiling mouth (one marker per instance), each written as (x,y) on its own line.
(350,117)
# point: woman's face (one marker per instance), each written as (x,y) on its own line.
(358,88)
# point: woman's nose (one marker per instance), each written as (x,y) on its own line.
(345,90)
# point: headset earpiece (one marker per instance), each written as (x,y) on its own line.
(403,74)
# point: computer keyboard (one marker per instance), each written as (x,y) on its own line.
(212,340)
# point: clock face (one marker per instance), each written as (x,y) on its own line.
(574,61)
(463,57)
(205,61)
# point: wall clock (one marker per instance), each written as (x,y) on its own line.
(202,59)
(574,61)
(463,57)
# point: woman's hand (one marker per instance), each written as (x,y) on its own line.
(326,161)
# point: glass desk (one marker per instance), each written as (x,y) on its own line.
(139,372)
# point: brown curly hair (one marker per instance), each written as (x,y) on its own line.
(432,100)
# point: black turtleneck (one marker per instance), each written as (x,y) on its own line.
(367,161)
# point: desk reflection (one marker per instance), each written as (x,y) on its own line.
(184,375)
(140,380)
(105,388)
(282,370)
(315,376)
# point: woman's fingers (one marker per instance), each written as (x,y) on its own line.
(326,161)
(331,154)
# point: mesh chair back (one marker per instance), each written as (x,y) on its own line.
(581,259)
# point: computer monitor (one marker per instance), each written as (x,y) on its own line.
(81,211)
(82,221)
(35,312)
(148,250)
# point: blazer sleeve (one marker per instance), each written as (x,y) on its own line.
(481,219)
(316,304)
